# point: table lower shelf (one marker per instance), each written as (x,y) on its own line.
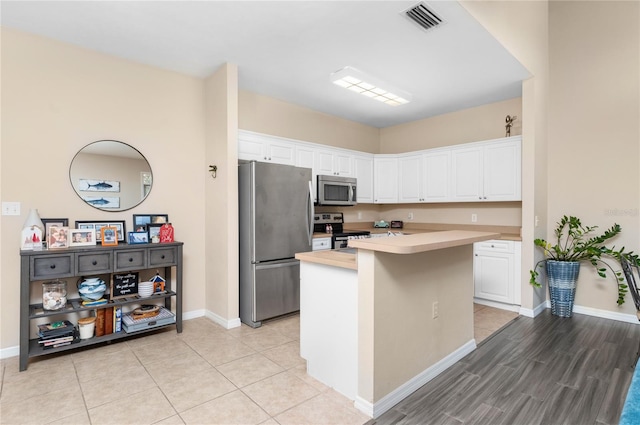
(36,349)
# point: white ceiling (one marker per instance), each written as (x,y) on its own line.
(288,49)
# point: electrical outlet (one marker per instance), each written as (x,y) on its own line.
(11,208)
(410,216)
(474,218)
(435,309)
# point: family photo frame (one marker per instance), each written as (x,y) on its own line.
(97,225)
(58,237)
(48,222)
(141,221)
(109,235)
(82,237)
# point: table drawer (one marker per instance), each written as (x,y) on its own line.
(130,260)
(93,263)
(51,266)
(165,256)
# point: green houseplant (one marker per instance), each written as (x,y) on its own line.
(575,243)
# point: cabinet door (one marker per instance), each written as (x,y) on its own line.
(436,176)
(466,174)
(493,272)
(502,170)
(385,186)
(363,170)
(343,164)
(252,149)
(410,179)
(304,158)
(323,161)
(281,153)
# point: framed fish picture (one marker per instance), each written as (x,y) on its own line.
(103,201)
(89,185)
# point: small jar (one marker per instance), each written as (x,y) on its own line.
(54,295)
(87,327)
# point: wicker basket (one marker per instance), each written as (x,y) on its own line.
(562,277)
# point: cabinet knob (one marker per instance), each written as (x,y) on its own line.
(265,158)
(131,260)
(94,262)
(162,257)
(53,266)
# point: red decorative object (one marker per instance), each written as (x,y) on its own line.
(166,233)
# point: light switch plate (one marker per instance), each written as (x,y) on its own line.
(11,208)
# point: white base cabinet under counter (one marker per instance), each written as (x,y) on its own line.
(496,271)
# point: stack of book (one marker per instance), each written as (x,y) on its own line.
(56,334)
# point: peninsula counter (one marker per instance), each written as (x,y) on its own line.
(378,331)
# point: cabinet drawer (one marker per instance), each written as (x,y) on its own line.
(320,244)
(494,246)
(131,260)
(51,266)
(167,256)
(93,263)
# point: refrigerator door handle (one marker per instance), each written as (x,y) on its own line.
(311,213)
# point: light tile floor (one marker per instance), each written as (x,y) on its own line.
(206,375)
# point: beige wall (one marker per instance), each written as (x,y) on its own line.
(267,115)
(469,125)
(398,338)
(594,136)
(221,215)
(56,98)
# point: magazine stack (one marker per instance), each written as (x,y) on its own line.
(56,334)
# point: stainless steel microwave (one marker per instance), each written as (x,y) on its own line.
(336,190)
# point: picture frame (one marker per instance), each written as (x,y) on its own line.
(48,222)
(93,185)
(102,201)
(138,237)
(82,237)
(97,225)
(109,235)
(140,220)
(58,237)
(153,230)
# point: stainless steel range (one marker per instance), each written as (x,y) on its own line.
(333,223)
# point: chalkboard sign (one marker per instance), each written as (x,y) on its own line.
(124,285)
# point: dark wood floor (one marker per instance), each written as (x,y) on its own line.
(546,370)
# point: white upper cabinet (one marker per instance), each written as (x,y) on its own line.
(424,177)
(334,163)
(385,183)
(363,170)
(487,171)
(410,177)
(265,149)
(471,172)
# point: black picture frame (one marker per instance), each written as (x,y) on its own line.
(99,224)
(48,222)
(140,221)
(153,229)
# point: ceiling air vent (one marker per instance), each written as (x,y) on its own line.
(424,16)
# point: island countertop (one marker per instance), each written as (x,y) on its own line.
(422,242)
(330,257)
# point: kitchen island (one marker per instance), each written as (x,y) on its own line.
(378,331)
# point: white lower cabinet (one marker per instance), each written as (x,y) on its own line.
(496,271)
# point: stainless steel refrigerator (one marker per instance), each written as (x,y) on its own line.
(276,221)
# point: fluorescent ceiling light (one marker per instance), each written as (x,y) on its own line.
(357,81)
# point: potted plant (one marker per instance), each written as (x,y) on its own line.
(574,244)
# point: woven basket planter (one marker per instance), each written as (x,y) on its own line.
(562,277)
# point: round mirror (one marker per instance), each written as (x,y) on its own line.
(110,175)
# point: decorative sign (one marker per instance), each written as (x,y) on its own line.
(124,285)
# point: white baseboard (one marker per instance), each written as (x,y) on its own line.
(605,314)
(225,323)
(375,410)
(533,313)
(5,353)
(193,314)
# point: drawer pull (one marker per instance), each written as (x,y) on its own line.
(162,257)
(53,266)
(94,262)
(131,260)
